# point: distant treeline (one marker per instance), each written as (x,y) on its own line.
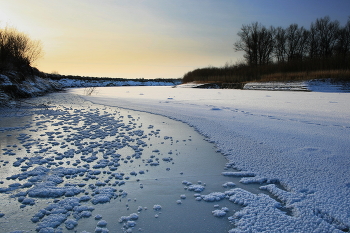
(55,76)
(323,51)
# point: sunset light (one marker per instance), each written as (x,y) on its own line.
(149,39)
(173,116)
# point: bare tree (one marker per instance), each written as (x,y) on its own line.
(296,42)
(280,44)
(343,43)
(17,48)
(304,42)
(257,42)
(323,37)
(266,45)
(248,43)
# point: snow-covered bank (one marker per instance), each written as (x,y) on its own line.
(11,88)
(277,86)
(328,85)
(65,82)
(300,139)
(318,85)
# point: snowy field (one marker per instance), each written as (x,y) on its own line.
(299,140)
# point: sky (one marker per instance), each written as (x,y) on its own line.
(150,38)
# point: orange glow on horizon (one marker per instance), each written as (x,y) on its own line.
(149,39)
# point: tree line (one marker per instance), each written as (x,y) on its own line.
(324,46)
(263,45)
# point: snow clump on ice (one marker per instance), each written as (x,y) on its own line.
(196,188)
(132,216)
(220,213)
(102,223)
(70,224)
(157,207)
(215,196)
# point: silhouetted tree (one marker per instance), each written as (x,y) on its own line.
(296,42)
(342,46)
(323,37)
(17,49)
(266,45)
(280,44)
(257,42)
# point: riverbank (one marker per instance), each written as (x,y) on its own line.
(15,85)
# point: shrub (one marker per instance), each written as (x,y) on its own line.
(17,50)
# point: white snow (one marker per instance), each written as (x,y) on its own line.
(297,139)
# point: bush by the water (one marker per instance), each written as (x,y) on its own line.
(18,77)
(17,51)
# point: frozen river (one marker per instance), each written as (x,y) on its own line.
(267,161)
(297,139)
(68,165)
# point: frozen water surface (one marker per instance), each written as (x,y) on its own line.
(66,162)
(71,164)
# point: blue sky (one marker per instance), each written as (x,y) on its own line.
(151,38)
